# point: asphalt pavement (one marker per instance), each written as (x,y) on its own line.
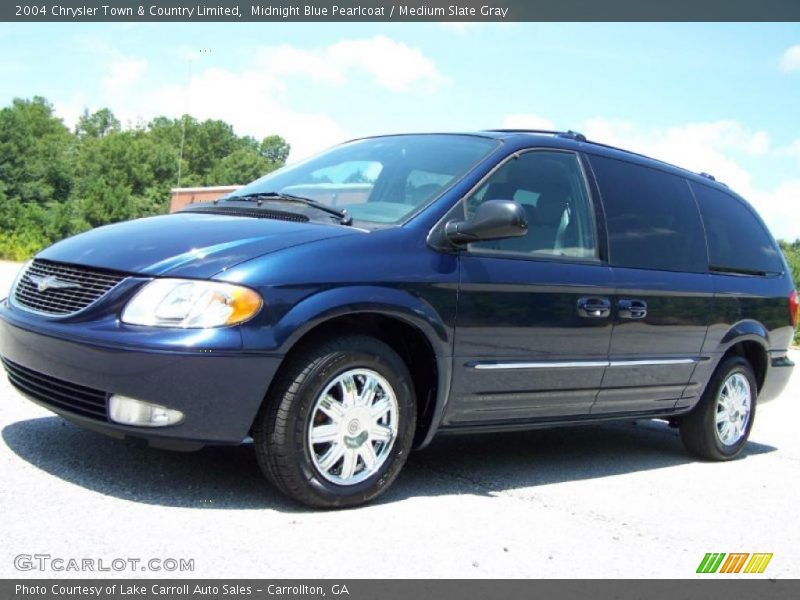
(622,500)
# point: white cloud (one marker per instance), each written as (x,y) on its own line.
(215,93)
(70,110)
(700,147)
(253,97)
(390,64)
(527,121)
(210,95)
(790,61)
(779,207)
(792,150)
(123,73)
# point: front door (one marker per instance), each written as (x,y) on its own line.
(534,313)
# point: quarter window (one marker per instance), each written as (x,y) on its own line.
(550,187)
(652,218)
(737,242)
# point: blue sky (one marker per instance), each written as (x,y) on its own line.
(721,98)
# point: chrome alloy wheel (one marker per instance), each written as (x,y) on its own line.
(353,426)
(733,409)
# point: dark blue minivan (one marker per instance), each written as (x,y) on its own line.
(346,309)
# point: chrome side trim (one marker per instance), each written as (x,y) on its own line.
(653,363)
(577,364)
(540,365)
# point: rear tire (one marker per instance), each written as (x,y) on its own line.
(719,426)
(338,423)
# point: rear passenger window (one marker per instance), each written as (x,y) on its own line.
(737,242)
(652,218)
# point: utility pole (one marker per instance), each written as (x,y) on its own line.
(189,61)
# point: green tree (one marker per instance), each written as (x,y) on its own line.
(122,175)
(55,183)
(275,149)
(36,152)
(239,167)
(791,250)
(97,124)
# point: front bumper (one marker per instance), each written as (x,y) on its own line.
(219,391)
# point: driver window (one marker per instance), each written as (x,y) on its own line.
(550,187)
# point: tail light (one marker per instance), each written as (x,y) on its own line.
(793,302)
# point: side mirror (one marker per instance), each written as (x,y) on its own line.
(493,220)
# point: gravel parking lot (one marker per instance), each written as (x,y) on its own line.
(620,500)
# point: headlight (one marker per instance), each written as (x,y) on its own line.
(191,304)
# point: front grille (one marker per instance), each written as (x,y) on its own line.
(60,289)
(59,394)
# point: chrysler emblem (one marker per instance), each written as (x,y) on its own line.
(51,282)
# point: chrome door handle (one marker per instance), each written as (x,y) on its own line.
(630,308)
(593,307)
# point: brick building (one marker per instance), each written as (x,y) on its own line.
(191,195)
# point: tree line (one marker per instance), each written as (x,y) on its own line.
(56,182)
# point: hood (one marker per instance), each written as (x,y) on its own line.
(185,244)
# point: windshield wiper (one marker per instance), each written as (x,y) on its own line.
(343,216)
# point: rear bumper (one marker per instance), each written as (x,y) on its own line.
(219,392)
(777,377)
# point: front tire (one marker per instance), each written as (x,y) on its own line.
(338,423)
(719,426)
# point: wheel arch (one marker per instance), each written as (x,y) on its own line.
(408,324)
(750,340)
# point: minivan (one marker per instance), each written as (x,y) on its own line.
(344,310)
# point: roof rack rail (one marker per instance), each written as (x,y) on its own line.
(521,130)
(573,135)
(579,137)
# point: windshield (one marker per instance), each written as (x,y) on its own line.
(381,180)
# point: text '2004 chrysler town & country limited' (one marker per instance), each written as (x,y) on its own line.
(344,310)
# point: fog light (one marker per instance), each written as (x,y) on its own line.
(129,411)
